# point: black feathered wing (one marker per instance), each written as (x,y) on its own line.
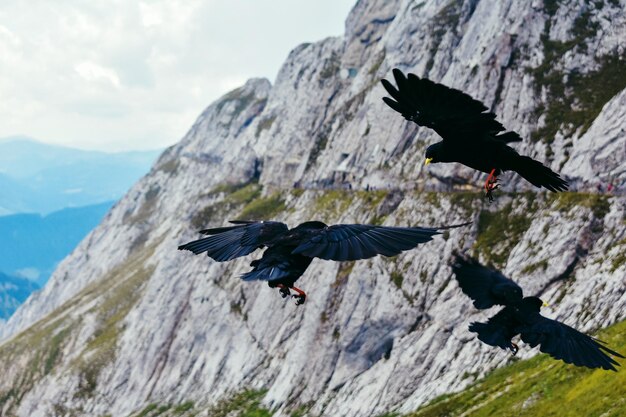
(226,243)
(568,344)
(350,242)
(483,285)
(453,114)
(498,331)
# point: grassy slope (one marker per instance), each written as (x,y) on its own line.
(539,386)
(543,387)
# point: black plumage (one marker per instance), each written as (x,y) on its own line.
(520,315)
(290,251)
(471,134)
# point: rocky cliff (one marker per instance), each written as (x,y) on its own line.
(128,325)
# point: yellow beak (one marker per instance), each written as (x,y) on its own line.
(545,304)
(428,161)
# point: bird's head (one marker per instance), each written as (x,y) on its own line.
(312,225)
(533,304)
(433,153)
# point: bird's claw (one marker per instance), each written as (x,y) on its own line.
(284,292)
(514,349)
(491,184)
(490,187)
(300,298)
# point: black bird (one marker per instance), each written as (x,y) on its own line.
(520,315)
(471,134)
(290,251)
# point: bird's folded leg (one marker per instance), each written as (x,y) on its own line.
(514,348)
(300,297)
(491,184)
(284,291)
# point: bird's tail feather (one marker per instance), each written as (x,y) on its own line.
(538,174)
(453,226)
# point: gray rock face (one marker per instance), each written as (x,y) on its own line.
(127,320)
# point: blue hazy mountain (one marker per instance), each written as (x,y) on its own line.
(32,245)
(13,292)
(12,195)
(41,178)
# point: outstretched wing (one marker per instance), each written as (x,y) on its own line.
(453,114)
(350,242)
(483,285)
(498,331)
(571,346)
(226,243)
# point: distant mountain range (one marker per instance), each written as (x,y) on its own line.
(51,197)
(42,178)
(13,292)
(32,245)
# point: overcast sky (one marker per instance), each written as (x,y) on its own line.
(127,74)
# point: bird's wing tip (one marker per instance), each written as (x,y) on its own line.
(454,226)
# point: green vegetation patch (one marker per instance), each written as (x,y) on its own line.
(574,99)
(619,259)
(332,65)
(101,348)
(184,407)
(244,404)
(499,232)
(378,60)
(321,141)
(397,278)
(39,349)
(170,166)
(166,410)
(599,204)
(541,265)
(330,204)
(242,99)
(541,387)
(235,197)
(263,208)
(147,410)
(264,124)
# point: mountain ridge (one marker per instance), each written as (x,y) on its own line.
(138,325)
(43,178)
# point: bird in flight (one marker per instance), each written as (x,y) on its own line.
(520,315)
(471,134)
(290,251)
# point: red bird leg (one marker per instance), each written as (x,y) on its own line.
(490,180)
(301,297)
(491,184)
(514,349)
(284,291)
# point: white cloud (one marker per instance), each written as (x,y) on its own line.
(9,37)
(150,15)
(130,74)
(94,72)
